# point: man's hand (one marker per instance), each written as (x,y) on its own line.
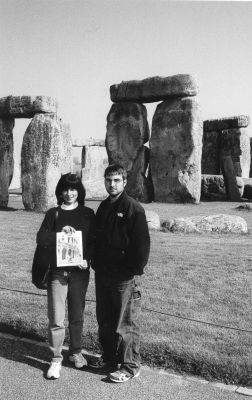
(68,229)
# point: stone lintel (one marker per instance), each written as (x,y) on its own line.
(81,142)
(26,106)
(240,121)
(154,89)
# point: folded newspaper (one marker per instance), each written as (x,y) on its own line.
(69,249)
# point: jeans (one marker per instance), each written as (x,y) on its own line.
(118,306)
(71,287)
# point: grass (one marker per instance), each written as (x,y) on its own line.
(204,277)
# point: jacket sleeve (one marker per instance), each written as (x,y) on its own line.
(46,235)
(90,241)
(139,245)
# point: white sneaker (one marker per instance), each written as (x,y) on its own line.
(54,370)
(78,360)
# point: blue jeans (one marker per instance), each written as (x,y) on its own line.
(118,306)
(71,287)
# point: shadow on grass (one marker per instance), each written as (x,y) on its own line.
(8,208)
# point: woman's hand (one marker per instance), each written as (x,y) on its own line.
(83,265)
(68,229)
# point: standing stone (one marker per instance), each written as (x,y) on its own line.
(155,88)
(176,147)
(210,161)
(236,142)
(45,155)
(127,131)
(229,175)
(250,171)
(6,158)
(94,162)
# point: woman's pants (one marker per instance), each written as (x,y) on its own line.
(70,286)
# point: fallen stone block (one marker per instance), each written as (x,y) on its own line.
(152,219)
(155,88)
(240,121)
(26,106)
(220,223)
(247,193)
(213,187)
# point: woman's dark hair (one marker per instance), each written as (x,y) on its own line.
(70,181)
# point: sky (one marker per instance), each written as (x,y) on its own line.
(74,50)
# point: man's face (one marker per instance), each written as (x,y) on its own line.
(115,184)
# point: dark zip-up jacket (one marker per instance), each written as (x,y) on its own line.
(122,243)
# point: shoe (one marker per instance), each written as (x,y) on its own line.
(98,363)
(54,370)
(121,376)
(78,360)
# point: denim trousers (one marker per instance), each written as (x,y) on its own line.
(66,287)
(118,305)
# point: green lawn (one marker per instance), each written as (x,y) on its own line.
(204,277)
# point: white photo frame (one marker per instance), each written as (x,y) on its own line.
(69,249)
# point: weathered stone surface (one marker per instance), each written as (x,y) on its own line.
(6,158)
(210,161)
(236,142)
(226,123)
(247,188)
(154,89)
(82,141)
(27,106)
(229,175)
(127,131)
(94,162)
(176,146)
(250,171)
(220,223)
(153,219)
(46,154)
(213,187)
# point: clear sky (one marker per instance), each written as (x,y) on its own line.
(74,50)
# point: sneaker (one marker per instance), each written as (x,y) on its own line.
(78,360)
(54,370)
(98,363)
(121,376)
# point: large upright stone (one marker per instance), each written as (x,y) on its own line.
(127,131)
(26,106)
(46,154)
(236,142)
(154,89)
(6,158)
(210,161)
(94,162)
(176,146)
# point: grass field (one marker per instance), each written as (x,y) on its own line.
(203,277)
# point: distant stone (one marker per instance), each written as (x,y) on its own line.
(153,219)
(127,131)
(210,161)
(94,162)
(46,155)
(154,89)
(26,106)
(220,223)
(176,146)
(6,158)
(213,187)
(250,171)
(247,194)
(226,123)
(245,206)
(82,141)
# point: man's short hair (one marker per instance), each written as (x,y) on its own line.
(115,169)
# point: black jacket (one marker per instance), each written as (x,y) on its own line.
(122,242)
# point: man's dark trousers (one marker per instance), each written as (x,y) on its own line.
(118,304)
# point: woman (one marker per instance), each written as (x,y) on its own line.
(68,283)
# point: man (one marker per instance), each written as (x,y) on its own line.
(121,253)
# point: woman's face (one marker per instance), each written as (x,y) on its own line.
(69,196)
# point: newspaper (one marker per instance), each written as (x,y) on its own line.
(69,249)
